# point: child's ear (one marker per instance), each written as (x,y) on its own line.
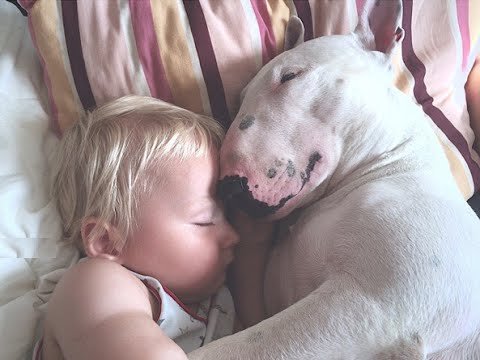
(100,243)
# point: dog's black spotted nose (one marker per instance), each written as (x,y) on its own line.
(235,192)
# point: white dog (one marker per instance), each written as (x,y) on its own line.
(381,258)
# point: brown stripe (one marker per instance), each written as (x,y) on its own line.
(75,53)
(305,14)
(418,70)
(208,62)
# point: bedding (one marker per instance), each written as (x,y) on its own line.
(30,260)
(200,54)
(242,35)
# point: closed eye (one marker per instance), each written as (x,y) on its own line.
(204,224)
(287,77)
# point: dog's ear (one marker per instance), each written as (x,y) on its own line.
(379,26)
(294,33)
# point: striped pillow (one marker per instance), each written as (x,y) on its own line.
(200,54)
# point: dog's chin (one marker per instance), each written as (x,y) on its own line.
(295,202)
(306,196)
(280,214)
(259,209)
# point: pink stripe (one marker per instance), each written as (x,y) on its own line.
(104,50)
(148,50)
(266,32)
(53,106)
(463,23)
(360,5)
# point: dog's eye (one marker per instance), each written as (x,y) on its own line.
(287,76)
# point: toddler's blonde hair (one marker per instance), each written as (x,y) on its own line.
(104,160)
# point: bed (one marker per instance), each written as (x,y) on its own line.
(32,256)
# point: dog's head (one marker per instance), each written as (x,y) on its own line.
(307,110)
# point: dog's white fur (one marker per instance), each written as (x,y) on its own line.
(381,258)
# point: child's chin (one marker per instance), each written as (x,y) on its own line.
(210,291)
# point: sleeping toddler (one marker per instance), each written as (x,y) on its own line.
(135,187)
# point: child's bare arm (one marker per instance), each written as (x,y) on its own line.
(248,269)
(98,311)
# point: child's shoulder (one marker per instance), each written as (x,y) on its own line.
(97,307)
(92,291)
(91,276)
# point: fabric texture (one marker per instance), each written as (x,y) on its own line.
(200,54)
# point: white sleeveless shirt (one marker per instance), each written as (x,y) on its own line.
(213,319)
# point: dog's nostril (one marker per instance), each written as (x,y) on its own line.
(271,173)
(313,159)
(290,168)
(246,122)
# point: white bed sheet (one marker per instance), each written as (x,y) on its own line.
(31,257)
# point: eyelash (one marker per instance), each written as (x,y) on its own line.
(204,224)
(288,76)
(214,217)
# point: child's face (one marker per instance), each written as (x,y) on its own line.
(183,238)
